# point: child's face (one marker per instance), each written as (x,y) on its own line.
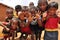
(25,11)
(10,14)
(33,11)
(17,10)
(52,11)
(21,16)
(43,6)
(14,24)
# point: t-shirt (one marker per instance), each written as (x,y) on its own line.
(34,26)
(51,23)
(25,29)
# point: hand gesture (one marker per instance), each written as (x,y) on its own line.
(58,13)
(45,14)
(37,16)
(30,19)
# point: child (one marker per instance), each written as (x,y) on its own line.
(42,8)
(51,26)
(14,27)
(31,4)
(18,8)
(24,24)
(35,23)
(9,13)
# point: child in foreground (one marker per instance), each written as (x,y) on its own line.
(51,26)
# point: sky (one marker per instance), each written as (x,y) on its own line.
(13,3)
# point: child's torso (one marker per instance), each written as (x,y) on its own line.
(51,23)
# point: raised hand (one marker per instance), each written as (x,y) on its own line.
(58,13)
(45,14)
(30,19)
(37,16)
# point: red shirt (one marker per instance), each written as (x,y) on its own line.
(26,30)
(51,23)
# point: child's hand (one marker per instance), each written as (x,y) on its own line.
(39,12)
(58,13)
(45,14)
(37,16)
(30,19)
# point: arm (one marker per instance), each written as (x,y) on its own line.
(30,18)
(44,16)
(4,26)
(39,19)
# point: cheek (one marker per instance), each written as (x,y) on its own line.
(21,17)
(52,11)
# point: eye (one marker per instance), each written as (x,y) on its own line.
(43,4)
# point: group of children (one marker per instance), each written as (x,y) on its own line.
(32,21)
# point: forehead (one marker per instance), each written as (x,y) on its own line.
(42,3)
(9,11)
(15,22)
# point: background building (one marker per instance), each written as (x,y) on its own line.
(3,8)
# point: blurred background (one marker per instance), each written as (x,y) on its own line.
(13,3)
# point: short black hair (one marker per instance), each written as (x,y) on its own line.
(31,3)
(18,7)
(25,8)
(53,4)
